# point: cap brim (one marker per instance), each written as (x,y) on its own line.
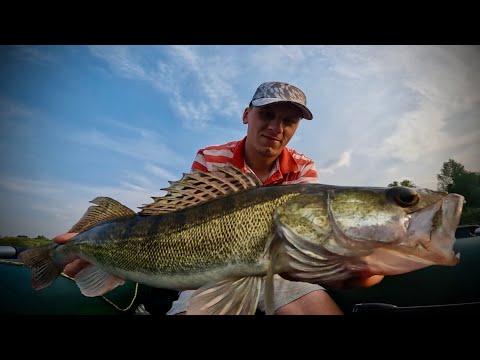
(306,113)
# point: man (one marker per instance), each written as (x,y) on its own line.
(272,117)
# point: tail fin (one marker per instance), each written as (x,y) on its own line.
(44,270)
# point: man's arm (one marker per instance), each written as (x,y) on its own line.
(307,173)
(199,163)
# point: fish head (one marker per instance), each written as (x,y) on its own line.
(376,230)
(407,228)
(385,214)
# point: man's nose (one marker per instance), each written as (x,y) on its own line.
(276,125)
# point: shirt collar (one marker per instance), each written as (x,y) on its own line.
(284,164)
(287,162)
(238,159)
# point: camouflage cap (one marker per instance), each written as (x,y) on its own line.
(276,91)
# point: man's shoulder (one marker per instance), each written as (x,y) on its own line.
(228,145)
(298,156)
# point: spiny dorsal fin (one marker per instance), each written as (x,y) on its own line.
(200,186)
(106,209)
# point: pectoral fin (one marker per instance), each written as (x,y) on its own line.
(227,297)
(94,281)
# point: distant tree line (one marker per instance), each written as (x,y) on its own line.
(454,178)
(404,182)
(39,237)
(23,240)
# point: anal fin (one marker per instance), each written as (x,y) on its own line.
(94,281)
(227,297)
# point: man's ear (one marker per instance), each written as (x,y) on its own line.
(245,115)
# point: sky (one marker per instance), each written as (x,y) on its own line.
(77,122)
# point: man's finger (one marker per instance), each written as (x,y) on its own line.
(75,266)
(365,282)
(60,239)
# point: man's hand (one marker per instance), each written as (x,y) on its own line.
(363,282)
(71,269)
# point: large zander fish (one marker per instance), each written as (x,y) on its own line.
(222,233)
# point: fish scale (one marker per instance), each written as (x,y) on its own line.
(191,240)
(224,234)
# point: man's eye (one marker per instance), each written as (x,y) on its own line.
(269,115)
(290,121)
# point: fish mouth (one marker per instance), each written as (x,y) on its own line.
(431,232)
(429,241)
(443,233)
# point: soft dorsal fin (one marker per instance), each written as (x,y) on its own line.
(200,186)
(106,209)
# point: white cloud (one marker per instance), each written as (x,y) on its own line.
(416,135)
(402,110)
(51,207)
(10,109)
(146,145)
(121,60)
(29,186)
(277,62)
(447,83)
(197,112)
(187,72)
(381,113)
(37,54)
(342,161)
(159,171)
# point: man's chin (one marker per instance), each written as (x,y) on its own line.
(268,151)
(269,148)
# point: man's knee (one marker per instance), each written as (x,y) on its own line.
(317,302)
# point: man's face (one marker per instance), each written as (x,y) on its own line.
(271,127)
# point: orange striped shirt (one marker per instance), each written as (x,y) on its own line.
(291,167)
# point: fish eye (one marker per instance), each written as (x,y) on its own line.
(403,196)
